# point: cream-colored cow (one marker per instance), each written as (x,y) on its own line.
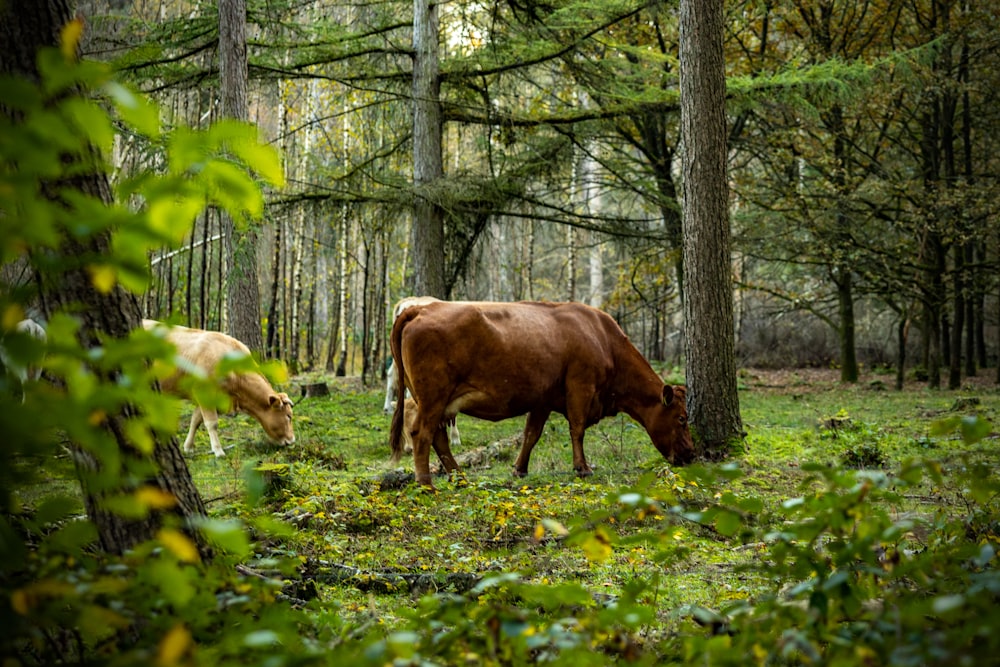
(249,392)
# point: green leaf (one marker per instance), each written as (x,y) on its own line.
(944,426)
(263,159)
(728,523)
(173,580)
(227,535)
(135,110)
(55,509)
(551,596)
(946,603)
(974,429)
(261,639)
(72,537)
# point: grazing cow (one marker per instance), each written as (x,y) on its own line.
(249,392)
(500,360)
(392,381)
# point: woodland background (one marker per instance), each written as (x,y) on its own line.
(862,165)
(849,525)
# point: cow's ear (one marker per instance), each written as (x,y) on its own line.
(668,394)
(274,400)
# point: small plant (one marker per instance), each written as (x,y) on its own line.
(864,455)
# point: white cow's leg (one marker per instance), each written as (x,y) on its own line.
(453,436)
(212,426)
(390,388)
(196,420)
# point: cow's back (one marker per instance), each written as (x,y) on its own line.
(204,349)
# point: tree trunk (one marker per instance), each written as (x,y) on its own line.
(428,216)
(272,310)
(713,401)
(26,26)
(342,298)
(958,301)
(901,330)
(242,290)
(845,300)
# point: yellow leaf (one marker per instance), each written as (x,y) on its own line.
(173,646)
(179,544)
(597,546)
(20,602)
(24,599)
(12,314)
(103,277)
(69,39)
(539,532)
(155,498)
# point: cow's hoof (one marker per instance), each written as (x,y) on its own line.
(584,472)
(519,473)
(426,481)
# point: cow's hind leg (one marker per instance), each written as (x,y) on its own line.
(196,420)
(533,428)
(424,434)
(443,450)
(576,430)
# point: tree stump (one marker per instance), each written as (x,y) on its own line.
(315,389)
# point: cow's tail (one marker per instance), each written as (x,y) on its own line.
(395,345)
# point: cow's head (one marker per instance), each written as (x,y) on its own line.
(277,422)
(669,428)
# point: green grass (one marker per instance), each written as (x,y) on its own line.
(489,522)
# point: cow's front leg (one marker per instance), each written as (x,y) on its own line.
(212,426)
(533,428)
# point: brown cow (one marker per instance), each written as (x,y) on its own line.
(500,360)
(249,392)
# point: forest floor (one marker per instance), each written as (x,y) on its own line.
(349,518)
(367,544)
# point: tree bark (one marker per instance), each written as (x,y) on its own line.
(26,26)
(242,289)
(713,401)
(428,217)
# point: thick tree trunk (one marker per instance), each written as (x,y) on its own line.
(713,401)
(242,289)
(26,26)
(428,216)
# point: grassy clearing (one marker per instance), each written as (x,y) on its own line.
(490,522)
